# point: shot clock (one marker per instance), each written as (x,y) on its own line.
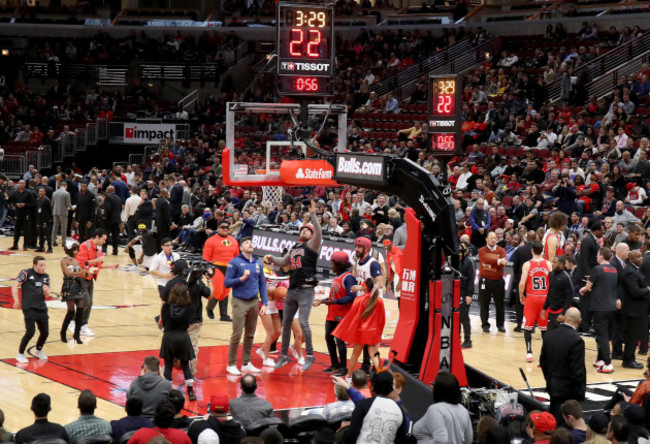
(444,113)
(305,45)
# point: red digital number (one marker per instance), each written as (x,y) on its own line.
(445,142)
(298,38)
(306,84)
(296,263)
(296,42)
(314,43)
(445,103)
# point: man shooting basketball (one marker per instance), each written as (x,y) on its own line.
(302,259)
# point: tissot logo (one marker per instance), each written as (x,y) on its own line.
(351,165)
(301,66)
(439,123)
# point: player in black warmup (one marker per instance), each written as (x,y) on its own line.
(35,284)
(302,279)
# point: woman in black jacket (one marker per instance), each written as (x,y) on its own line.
(176,345)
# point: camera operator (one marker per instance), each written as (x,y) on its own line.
(192,278)
(565,195)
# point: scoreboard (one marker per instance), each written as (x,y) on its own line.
(305,45)
(444,113)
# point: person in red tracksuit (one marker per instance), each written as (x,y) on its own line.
(219,250)
(338,305)
(90,255)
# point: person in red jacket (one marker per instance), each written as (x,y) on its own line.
(393,267)
(219,250)
(492,260)
(364,324)
(90,255)
(338,306)
(162,421)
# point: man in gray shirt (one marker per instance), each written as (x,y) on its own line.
(248,408)
(60,206)
(150,386)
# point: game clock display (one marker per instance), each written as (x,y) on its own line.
(444,112)
(305,45)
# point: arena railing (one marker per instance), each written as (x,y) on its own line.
(80,140)
(41,157)
(91,133)
(13,165)
(603,85)
(605,63)
(456,64)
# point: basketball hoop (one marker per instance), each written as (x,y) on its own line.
(271,196)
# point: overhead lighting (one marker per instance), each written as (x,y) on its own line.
(5,52)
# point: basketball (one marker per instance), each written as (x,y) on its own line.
(177,364)
(280,293)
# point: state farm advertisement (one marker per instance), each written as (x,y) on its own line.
(274,242)
(147,133)
(316,172)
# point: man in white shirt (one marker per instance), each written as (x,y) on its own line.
(130,207)
(461,184)
(161,266)
(621,138)
(360,203)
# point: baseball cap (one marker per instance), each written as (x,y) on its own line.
(179,266)
(511,411)
(633,413)
(629,186)
(363,242)
(219,403)
(310,227)
(544,421)
(341,257)
(598,422)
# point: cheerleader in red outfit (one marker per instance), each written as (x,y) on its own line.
(364,324)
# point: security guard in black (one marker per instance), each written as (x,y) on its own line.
(35,285)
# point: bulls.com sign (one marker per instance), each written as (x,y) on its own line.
(147,133)
(362,168)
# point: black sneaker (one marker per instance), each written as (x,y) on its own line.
(517,329)
(466,344)
(14,248)
(633,364)
(501,329)
(225,318)
(617,356)
(210,313)
(486,329)
(341,372)
(330,369)
(40,250)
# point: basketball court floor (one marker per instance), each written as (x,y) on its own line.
(126,300)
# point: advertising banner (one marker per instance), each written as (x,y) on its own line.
(147,133)
(274,241)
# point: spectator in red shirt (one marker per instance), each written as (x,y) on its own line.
(162,420)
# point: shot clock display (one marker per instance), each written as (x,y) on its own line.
(305,44)
(303,85)
(444,113)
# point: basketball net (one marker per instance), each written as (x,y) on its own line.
(271,196)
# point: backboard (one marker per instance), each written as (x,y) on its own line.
(263,149)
